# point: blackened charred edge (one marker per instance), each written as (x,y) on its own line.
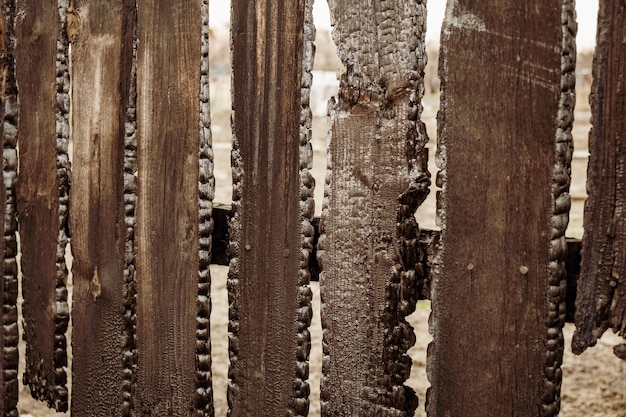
(234,252)
(316,261)
(561,200)
(307,208)
(129,339)
(10,336)
(408,274)
(206,191)
(59,397)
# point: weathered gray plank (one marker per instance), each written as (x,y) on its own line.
(601,300)
(167,233)
(499,287)
(376,179)
(268,286)
(101,35)
(41,68)
(9,337)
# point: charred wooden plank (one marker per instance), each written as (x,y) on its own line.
(502,208)
(167,231)
(267,285)
(9,337)
(43,190)
(102,50)
(601,302)
(377,177)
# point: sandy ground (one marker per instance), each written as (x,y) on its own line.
(594,383)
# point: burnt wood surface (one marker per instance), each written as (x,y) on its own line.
(41,68)
(102,50)
(601,302)
(497,286)
(167,230)
(376,179)
(269,298)
(9,337)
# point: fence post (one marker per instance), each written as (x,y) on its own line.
(102,51)
(268,284)
(601,299)
(43,186)
(499,286)
(376,179)
(167,231)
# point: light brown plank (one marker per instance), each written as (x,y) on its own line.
(101,34)
(498,288)
(168,85)
(269,309)
(601,299)
(376,179)
(42,98)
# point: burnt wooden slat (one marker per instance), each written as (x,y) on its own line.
(101,35)
(42,194)
(601,301)
(9,337)
(377,177)
(269,298)
(168,108)
(498,286)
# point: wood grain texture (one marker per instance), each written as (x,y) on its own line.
(504,179)
(41,70)
(168,87)
(101,35)
(601,300)
(376,179)
(9,337)
(269,299)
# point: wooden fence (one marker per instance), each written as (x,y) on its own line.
(125,83)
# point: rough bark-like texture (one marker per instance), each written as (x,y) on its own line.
(9,337)
(206,192)
(601,301)
(376,179)
(307,210)
(503,151)
(101,36)
(168,87)
(41,67)
(268,294)
(129,338)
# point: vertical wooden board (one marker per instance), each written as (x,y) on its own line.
(601,299)
(42,194)
(168,85)
(102,49)
(498,287)
(377,177)
(269,299)
(9,337)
